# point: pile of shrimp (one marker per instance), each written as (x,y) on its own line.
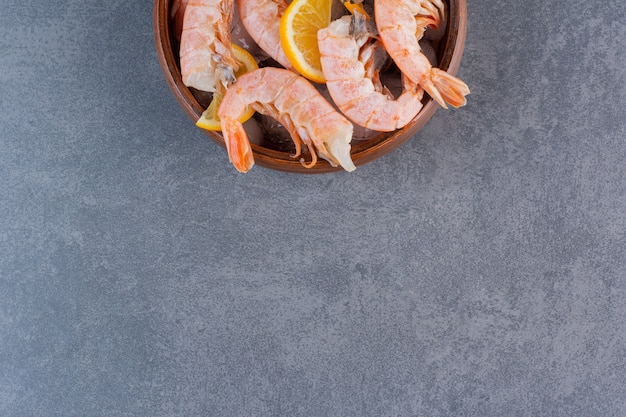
(355,50)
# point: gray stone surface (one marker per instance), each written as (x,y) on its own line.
(479,270)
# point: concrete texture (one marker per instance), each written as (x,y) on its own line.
(479,270)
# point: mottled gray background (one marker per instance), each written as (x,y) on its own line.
(479,270)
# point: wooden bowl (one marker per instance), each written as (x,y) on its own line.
(270,155)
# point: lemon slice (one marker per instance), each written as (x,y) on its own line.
(209,120)
(298,35)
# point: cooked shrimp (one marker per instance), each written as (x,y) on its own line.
(297,105)
(349,66)
(206,60)
(261,18)
(401,24)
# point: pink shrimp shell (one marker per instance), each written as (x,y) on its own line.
(294,102)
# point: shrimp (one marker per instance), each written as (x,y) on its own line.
(261,18)
(401,24)
(206,60)
(297,105)
(348,64)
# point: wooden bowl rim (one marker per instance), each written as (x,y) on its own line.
(362,151)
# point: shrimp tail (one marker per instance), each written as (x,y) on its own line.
(336,148)
(237,144)
(445,88)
